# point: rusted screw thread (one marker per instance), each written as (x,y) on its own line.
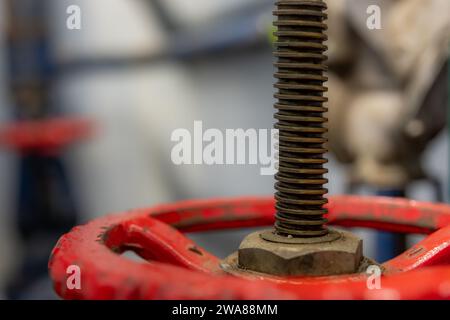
(300,182)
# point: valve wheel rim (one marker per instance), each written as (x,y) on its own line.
(178,268)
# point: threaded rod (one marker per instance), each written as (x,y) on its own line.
(300,53)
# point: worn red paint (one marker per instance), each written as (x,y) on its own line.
(177,271)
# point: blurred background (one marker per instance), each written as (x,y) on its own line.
(86,115)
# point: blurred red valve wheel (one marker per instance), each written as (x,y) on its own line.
(47,136)
(177,268)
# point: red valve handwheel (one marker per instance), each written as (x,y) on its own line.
(45,136)
(177,268)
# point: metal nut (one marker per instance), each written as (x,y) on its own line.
(341,256)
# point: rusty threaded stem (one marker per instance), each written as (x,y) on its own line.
(300,182)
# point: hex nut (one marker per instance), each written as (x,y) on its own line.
(341,256)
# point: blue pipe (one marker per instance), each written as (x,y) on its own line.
(390,244)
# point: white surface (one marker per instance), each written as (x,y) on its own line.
(109,27)
(188,13)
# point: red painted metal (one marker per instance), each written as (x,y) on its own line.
(44,136)
(177,268)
